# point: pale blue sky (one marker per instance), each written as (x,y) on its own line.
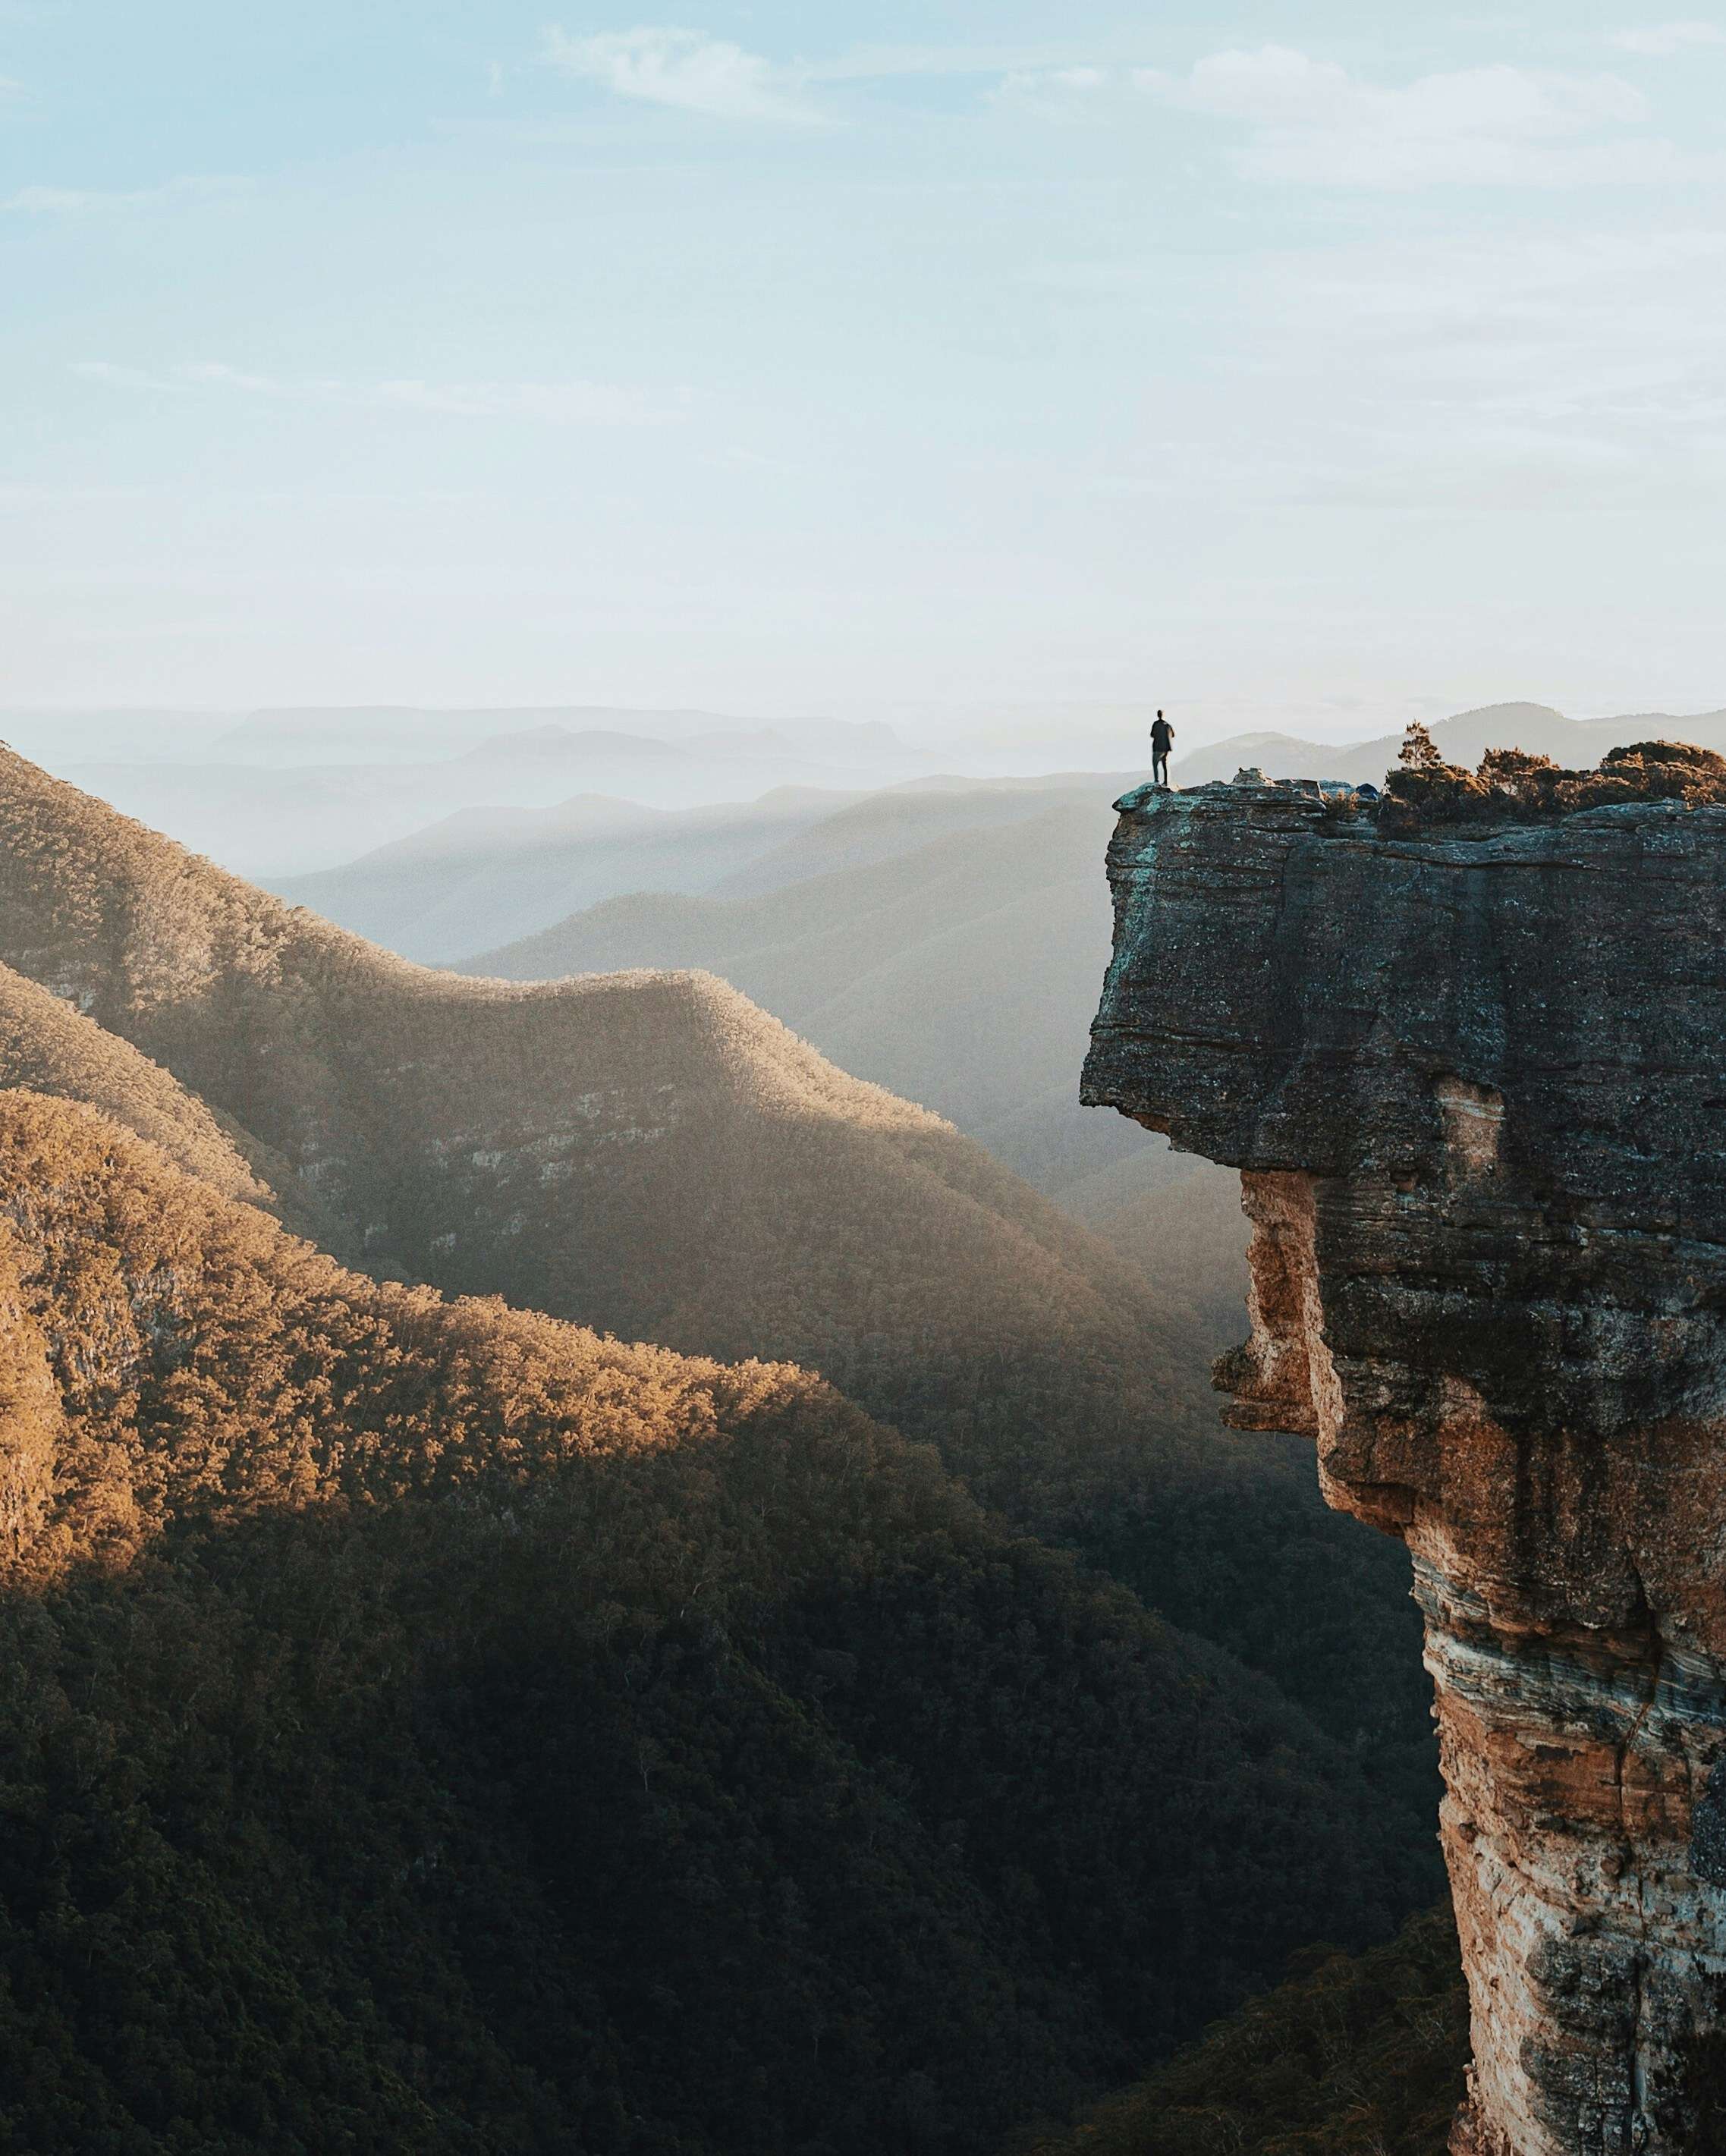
(1318,362)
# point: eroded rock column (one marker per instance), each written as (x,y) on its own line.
(1477,1090)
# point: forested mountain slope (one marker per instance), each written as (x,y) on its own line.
(431,1726)
(1361,2055)
(961,973)
(651,1155)
(1186,1239)
(48,1047)
(646,1153)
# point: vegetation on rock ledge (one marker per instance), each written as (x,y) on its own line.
(1512,786)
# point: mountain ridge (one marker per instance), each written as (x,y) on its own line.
(455,1123)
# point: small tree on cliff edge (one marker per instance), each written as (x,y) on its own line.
(1424,788)
(1419,751)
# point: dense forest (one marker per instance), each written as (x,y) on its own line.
(429,1724)
(1351,2056)
(432,1724)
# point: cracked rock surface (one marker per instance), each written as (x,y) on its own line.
(1475,1086)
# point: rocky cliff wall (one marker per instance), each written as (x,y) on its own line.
(1477,1088)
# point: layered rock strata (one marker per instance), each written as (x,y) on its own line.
(1475,1086)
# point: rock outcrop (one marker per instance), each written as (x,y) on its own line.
(1475,1086)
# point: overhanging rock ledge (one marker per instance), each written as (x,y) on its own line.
(1475,1086)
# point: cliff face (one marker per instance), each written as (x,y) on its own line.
(1475,1087)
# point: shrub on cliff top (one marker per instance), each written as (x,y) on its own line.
(1512,786)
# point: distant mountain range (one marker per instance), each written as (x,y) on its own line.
(959,968)
(281,794)
(277,822)
(487,873)
(408,733)
(490,875)
(284,794)
(1462,740)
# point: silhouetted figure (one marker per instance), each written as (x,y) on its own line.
(1162,741)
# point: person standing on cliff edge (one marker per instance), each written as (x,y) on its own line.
(1162,741)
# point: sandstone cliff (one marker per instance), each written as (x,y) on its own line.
(1474,1083)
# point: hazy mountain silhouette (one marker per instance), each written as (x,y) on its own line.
(279,815)
(497,873)
(1186,1237)
(902,818)
(410,733)
(411,894)
(500,873)
(961,972)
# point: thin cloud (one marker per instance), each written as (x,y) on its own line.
(78,201)
(558,403)
(553,403)
(886,63)
(1661,41)
(119,378)
(1516,362)
(1061,83)
(1310,120)
(686,69)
